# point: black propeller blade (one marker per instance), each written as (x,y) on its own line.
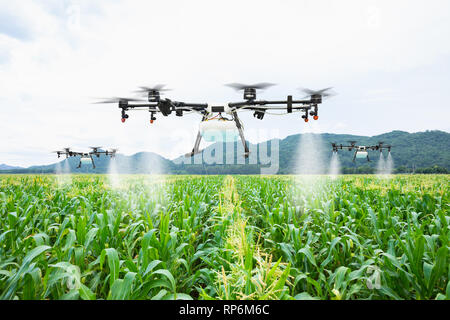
(118,100)
(324,93)
(156,88)
(240,86)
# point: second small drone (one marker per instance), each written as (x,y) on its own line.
(86,156)
(361,151)
(215,125)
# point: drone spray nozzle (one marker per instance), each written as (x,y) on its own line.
(124,116)
(152,117)
(315,113)
(305,116)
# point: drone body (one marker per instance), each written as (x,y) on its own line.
(86,157)
(361,151)
(220,122)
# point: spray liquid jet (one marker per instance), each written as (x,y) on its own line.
(63,173)
(381,166)
(389,164)
(335,166)
(310,164)
(310,152)
(113,174)
(154,177)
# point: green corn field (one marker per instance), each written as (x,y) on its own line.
(224,237)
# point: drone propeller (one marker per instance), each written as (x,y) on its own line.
(250,90)
(95,148)
(324,93)
(118,100)
(352,142)
(240,86)
(156,88)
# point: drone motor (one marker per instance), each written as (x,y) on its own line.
(316,98)
(153,96)
(249,94)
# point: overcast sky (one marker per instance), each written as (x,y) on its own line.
(388,60)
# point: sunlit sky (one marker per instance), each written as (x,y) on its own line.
(387,60)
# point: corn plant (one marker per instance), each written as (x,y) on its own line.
(215,237)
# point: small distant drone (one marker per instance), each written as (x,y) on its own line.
(361,151)
(214,125)
(86,156)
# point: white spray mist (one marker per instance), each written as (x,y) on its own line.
(381,166)
(335,166)
(389,164)
(63,173)
(154,175)
(113,174)
(310,165)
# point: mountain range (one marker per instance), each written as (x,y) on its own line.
(410,151)
(6,167)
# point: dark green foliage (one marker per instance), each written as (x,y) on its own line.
(187,237)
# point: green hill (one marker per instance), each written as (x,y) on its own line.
(410,151)
(429,149)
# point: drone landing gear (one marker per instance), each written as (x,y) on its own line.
(241,133)
(196,146)
(196,149)
(92,160)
